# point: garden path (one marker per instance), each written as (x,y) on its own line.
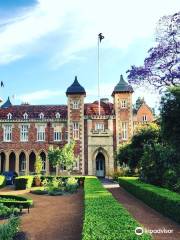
(145,215)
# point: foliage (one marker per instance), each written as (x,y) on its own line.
(63,157)
(54,185)
(38,165)
(7,212)
(2,181)
(16,201)
(8,230)
(161,199)
(170,117)
(23,182)
(162,67)
(131,153)
(71,185)
(124,170)
(105,218)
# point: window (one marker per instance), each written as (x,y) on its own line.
(7,133)
(23,163)
(41,115)
(144,118)
(58,115)
(124,103)
(41,133)
(76,104)
(24,133)
(9,116)
(124,130)
(75,130)
(25,116)
(57,133)
(99,127)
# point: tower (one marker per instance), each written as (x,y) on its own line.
(76,94)
(122,95)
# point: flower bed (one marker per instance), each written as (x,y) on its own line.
(8,230)
(6,212)
(104,217)
(161,199)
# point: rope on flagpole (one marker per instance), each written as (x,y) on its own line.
(99,103)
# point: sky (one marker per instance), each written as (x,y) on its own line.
(45,43)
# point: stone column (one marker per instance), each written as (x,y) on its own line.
(110,124)
(27,163)
(6,161)
(17,163)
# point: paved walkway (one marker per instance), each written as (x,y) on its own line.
(145,215)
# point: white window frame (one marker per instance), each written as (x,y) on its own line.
(75,104)
(43,165)
(124,130)
(75,126)
(144,118)
(7,133)
(57,134)
(99,126)
(9,116)
(124,103)
(41,115)
(25,116)
(58,115)
(24,133)
(41,131)
(23,165)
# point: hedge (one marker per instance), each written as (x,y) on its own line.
(16,201)
(63,178)
(2,181)
(8,230)
(23,182)
(161,199)
(104,217)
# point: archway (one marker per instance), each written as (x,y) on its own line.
(32,160)
(22,162)
(12,161)
(2,161)
(100,165)
(43,157)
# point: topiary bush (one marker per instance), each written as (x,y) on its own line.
(161,199)
(2,181)
(23,182)
(71,185)
(8,230)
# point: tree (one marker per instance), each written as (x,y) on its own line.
(63,157)
(38,165)
(162,66)
(139,102)
(170,117)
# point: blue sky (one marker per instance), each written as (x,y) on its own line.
(45,43)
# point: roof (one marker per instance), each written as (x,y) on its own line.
(93,108)
(7,104)
(33,111)
(122,86)
(75,88)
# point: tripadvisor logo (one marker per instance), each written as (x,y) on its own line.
(140,231)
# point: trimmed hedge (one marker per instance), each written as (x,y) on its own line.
(23,182)
(63,178)
(161,199)
(104,217)
(2,181)
(16,201)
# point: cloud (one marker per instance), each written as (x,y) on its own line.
(76,25)
(33,97)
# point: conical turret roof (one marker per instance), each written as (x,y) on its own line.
(7,104)
(75,88)
(122,86)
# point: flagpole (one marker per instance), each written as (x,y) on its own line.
(99,103)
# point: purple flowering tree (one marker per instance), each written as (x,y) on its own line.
(162,66)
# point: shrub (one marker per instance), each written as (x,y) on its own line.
(104,217)
(2,181)
(6,211)
(161,199)
(16,201)
(71,185)
(8,230)
(23,182)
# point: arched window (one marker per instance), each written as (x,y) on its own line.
(25,116)
(9,116)
(41,115)
(22,162)
(43,157)
(58,115)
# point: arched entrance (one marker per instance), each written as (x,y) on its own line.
(12,161)
(22,162)
(2,161)
(32,160)
(100,165)
(43,157)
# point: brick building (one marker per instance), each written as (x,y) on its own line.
(27,131)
